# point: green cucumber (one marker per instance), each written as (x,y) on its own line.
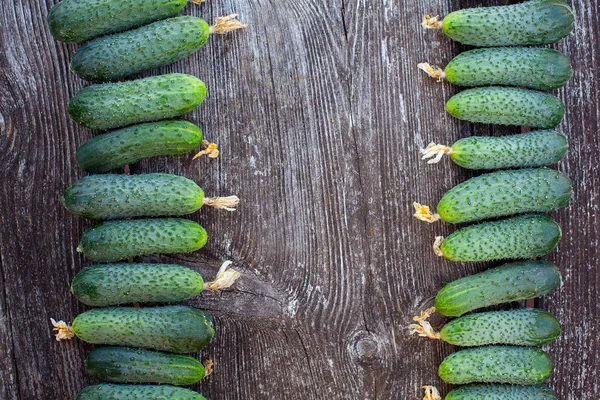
(521,327)
(497,364)
(501,392)
(75,21)
(108,391)
(175,329)
(519,237)
(111,58)
(503,193)
(127,365)
(113,196)
(113,105)
(507,106)
(116,240)
(509,282)
(129,145)
(529,23)
(114,284)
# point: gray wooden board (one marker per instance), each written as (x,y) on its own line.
(319,111)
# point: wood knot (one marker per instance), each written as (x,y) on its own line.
(365,347)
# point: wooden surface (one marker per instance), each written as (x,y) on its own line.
(319,111)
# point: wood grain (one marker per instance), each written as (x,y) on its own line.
(319,111)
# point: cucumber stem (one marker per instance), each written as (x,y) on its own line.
(225,277)
(435,150)
(64,331)
(422,327)
(198,1)
(434,72)
(424,213)
(431,393)
(209,149)
(208,364)
(430,22)
(226,203)
(437,246)
(227,24)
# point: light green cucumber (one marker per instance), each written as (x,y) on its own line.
(114,284)
(521,327)
(109,391)
(118,148)
(175,329)
(519,237)
(497,364)
(75,21)
(117,240)
(113,105)
(509,282)
(507,106)
(504,193)
(501,392)
(128,365)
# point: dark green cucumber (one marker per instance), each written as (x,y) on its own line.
(521,327)
(503,193)
(531,67)
(501,392)
(176,329)
(116,240)
(129,145)
(113,105)
(127,365)
(108,391)
(510,282)
(497,364)
(519,237)
(529,23)
(112,196)
(111,58)
(532,149)
(75,21)
(114,284)
(507,106)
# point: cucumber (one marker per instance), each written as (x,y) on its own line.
(521,327)
(75,21)
(507,106)
(509,282)
(501,392)
(503,193)
(497,364)
(116,240)
(113,105)
(107,391)
(111,58)
(519,237)
(113,196)
(176,329)
(129,145)
(529,23)
(127,365)
(114,284)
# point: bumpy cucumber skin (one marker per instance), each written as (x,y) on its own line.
(519,237)
(117,240)
(509,282)
(113,105)
(75,21)
(531,149)
(501,392)
(113,196)
(531,67)
(114,284)
(108,391)
(522,327)
(503,193)
(111,58)
(175,329)
(127,365)
(529,23)
(497,364)
(507,106)
(116,149)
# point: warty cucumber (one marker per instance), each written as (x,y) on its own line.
(501,392)
(109,391)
